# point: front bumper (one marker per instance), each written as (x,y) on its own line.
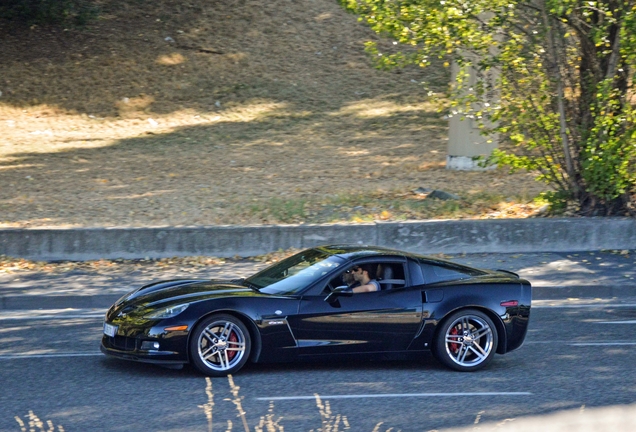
(130,344)
(158,357)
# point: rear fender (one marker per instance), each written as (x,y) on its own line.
(485,298)
(502,336)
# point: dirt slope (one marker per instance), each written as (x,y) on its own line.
(223,112)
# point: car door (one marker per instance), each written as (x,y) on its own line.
(372,322)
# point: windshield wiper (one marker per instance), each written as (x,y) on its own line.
(244,282)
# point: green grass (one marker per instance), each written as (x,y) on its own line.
(280,210)
(378,206)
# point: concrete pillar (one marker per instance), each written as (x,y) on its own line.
(464,138)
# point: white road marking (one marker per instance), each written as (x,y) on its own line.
(46,317)
(560,342)
(543,342)
(393,395)
(603,344)
(617,322)
(50,355)
(44,314)
(583,306)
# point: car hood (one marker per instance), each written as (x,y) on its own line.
(166,293)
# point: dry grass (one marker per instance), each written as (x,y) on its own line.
(188,264)
(170,113)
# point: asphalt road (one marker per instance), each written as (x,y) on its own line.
(575,357)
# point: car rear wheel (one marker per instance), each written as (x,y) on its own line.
(466,341)
(220,345)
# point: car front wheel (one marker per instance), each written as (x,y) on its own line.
(466,341)
(220,345)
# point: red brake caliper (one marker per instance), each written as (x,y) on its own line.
(232,338)
(454,347)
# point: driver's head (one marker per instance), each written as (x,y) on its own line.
(360,271)
(348,278)
(370,269)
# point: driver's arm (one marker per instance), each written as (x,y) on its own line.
(370,287)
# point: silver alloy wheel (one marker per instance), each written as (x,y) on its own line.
(469,340)
(221,345)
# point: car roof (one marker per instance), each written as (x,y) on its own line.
(349,251)
(353,252)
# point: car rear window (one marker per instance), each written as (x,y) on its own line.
(433,273)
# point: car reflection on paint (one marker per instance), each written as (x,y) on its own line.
(301,309)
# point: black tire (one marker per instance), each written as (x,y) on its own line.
(220,345)
(466,341)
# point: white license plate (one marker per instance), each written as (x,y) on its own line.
(110,330)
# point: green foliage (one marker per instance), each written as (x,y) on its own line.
(609,151)
(558,201)
(77,12)
(552,77)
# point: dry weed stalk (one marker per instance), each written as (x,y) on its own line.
(478,418)
(268,423)
(35,422)
(237,401)
(377,427)
(330,423)
(207,407)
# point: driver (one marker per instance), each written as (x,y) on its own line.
(347,277)
(365,275)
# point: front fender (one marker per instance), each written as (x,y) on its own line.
(265,317)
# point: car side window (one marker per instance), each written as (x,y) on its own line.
(389,275)
(437,273)
(339,281)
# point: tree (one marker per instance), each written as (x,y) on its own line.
(563,96)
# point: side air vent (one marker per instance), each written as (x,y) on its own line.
(432,296)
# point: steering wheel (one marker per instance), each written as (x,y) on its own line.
(329,288)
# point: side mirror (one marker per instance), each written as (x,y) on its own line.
(341,291)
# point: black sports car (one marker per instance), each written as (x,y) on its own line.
(301,308)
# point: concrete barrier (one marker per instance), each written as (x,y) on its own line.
(510,235)
(452,236)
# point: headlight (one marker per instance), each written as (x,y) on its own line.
(167,312)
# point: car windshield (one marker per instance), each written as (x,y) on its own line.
(295,273)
